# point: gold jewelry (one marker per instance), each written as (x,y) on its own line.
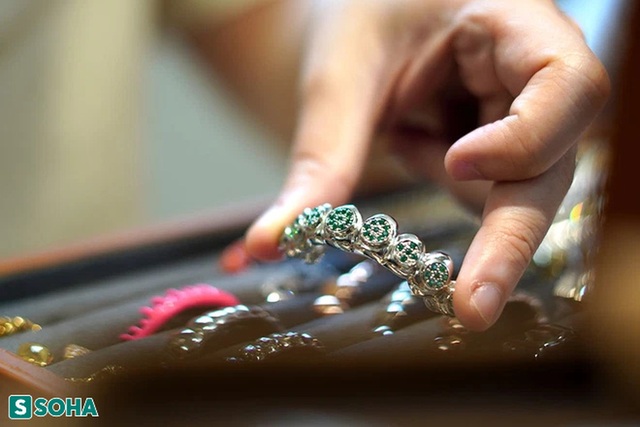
(35,353)
(108,371)
(74,350)
(15,325)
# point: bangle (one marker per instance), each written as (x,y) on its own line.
(377,238)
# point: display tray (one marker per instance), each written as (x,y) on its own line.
(366,351)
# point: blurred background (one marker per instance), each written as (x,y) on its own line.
(109,120)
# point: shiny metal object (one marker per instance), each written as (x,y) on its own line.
(340,293)
(109,371)
(203,330)
(74,350)
(377,238)
(399,309)
(15,325)
(35,353)
(278,345)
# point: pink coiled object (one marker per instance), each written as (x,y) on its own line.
(174,301)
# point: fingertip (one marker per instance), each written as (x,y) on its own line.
(461,170)
(263,236)
(458,164)
(479,306)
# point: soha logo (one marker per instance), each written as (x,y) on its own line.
(24,407)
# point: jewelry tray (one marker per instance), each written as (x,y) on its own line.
(378,362)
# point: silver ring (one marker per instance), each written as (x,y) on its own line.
(377,238)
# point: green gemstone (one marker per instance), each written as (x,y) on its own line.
(340,219)
(436,275)
(407,252)
(376,231)
(312,218)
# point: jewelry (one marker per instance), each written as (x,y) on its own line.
(339,293)
(74,350)
(221,327)
(366,281)
(292,279)
(15,325)
(399,310)
(291,345)
(173,302)
(428,274)
(108,371)
(35,353)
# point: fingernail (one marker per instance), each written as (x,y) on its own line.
(487,299)
(466,171)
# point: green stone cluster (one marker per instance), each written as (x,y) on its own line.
(376,230)
(407,252)
(310,218)
(436,275)
(341,219)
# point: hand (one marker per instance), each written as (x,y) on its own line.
(373,66)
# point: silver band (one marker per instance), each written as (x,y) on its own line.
(377,238)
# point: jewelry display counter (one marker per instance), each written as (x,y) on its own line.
(161,322)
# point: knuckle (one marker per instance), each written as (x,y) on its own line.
(589,76)
(598,79)
(472,16)
(470,28)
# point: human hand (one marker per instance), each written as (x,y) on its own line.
(373,66)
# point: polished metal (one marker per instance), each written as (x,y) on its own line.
(428,273)
(202,331)
(280,344)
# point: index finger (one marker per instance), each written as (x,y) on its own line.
(340,103)
(516,218)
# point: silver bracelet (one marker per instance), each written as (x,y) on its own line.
(377,238)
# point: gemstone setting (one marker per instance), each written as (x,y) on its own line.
(311,218)
(406,252)
(342,222)
(378,230)
(435,275)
